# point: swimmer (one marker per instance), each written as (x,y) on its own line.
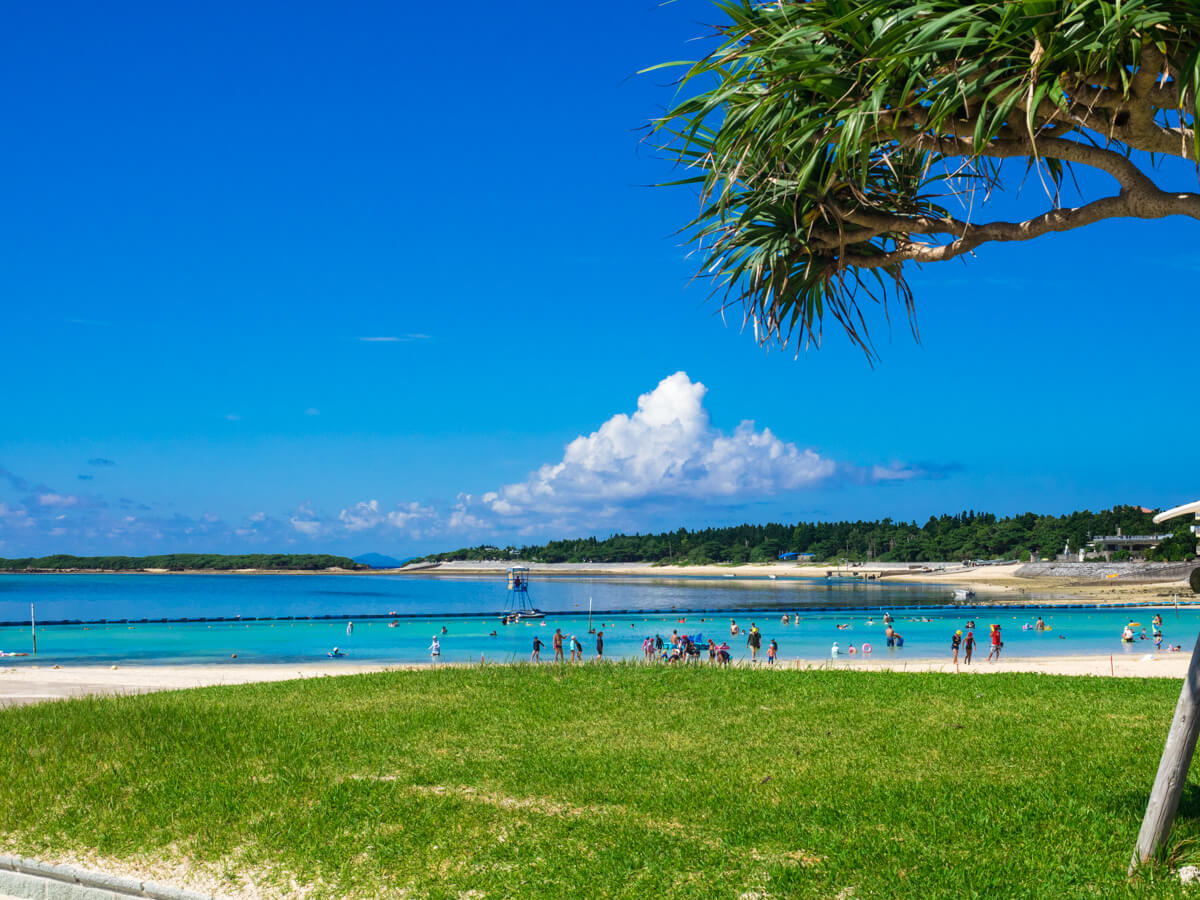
(785,620)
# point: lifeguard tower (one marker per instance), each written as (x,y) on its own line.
(517,605)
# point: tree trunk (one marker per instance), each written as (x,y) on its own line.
(1172,769)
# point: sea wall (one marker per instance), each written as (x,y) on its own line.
(1103,572)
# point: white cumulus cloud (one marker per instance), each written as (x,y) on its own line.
(668,448)
(368,514)
(306,521)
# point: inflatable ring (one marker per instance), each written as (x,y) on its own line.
(866,648)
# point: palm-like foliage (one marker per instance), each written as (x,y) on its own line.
(831,137)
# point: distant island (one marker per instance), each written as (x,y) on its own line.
(182,562)
(965,535)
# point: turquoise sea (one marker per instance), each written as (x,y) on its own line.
(111,619)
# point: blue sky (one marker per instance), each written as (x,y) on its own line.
(209,211)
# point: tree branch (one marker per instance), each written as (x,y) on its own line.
(1134,203)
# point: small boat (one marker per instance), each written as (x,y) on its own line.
(964,594)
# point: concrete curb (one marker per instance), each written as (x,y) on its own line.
(31,879)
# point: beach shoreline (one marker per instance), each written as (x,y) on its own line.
(32,684)
(1000,582)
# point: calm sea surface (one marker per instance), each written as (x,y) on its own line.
(282,618)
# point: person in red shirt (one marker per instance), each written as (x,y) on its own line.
(996,643)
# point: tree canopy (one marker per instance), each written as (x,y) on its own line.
(969,534)
(834,141)
(180,562)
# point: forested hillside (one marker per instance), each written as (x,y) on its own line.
(967,535)
(178,562)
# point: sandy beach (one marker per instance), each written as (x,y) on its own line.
(32,684)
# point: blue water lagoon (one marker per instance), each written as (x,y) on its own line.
(185,619)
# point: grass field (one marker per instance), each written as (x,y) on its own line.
(609,781)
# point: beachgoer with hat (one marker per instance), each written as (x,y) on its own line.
(968,647)
(996,644)
(954,645)
(754,641)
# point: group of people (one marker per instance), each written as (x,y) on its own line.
(1127,635)
(560,642)
(966,643)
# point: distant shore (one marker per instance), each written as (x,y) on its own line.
(32,684)
(1001,583)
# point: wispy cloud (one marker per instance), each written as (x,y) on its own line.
(58,500)
(100,461)
(380,340)
(396,339)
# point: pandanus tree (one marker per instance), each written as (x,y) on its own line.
(836,143)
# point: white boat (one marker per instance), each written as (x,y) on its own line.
(964,594)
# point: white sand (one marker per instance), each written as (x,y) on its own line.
(32,685)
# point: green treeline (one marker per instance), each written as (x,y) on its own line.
(967,535)
(178,562)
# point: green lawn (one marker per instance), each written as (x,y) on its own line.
(611,781)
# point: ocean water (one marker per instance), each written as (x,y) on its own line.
(108,619)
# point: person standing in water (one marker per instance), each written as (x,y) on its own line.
(558,642)
(536,656)
(349,629)
(435,649)
(599,645)
(754,641)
